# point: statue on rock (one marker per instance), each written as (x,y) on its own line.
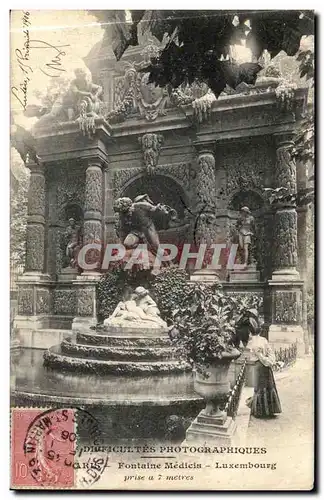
(136,221)
(83,95)
(140,311)
(246,230)
(81,102)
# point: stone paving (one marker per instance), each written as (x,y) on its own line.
(289,436)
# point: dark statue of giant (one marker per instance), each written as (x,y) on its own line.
(136,222)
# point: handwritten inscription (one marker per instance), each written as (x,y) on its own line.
(51,68)
(22,57)
(54,67)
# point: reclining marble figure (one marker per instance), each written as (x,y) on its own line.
(140,311)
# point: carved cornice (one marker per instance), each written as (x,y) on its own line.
(242,116)
(36,168)
(70,127)
(99,159)
(80,158)
(205,147)
(283,139)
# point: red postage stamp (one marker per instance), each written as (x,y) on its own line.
(43,445)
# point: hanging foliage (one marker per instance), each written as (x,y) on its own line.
(197,44)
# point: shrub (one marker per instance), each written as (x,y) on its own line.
(169,289)
(209,323)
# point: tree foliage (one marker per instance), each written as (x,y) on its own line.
(56,87)
(197,44)
(18,221)
(305,136)
(305,139)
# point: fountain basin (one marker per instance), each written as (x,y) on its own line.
(127,406)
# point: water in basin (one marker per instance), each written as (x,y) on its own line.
(28,375)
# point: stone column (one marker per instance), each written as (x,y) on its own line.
(93,207)
(205,207)
(36,221)
(92,233)
(33,286)
(302,214)
(285,285)
(285,256)
(206,196)
(109,228)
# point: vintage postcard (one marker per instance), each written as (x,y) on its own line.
(162,250)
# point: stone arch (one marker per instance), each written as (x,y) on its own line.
(164,189)
(74,210)
(68,210)
(247,197)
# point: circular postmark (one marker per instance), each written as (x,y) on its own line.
(65,448)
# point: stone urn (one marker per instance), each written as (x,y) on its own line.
(212,382)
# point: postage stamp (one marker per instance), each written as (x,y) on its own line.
(48,448)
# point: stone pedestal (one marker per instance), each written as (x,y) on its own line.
(86,301)
(68,274)
(282,336)
(34,306)
(250,273)
(214,430)
(286,326)
(135,330)
(205,275)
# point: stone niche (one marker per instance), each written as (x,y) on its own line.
(66,195)
(243,168)
(164,187)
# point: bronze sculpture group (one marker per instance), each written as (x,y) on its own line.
(136,221)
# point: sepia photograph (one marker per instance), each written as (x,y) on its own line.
(162,250)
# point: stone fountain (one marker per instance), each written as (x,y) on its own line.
(244,146)
(134,341)
(128,365)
